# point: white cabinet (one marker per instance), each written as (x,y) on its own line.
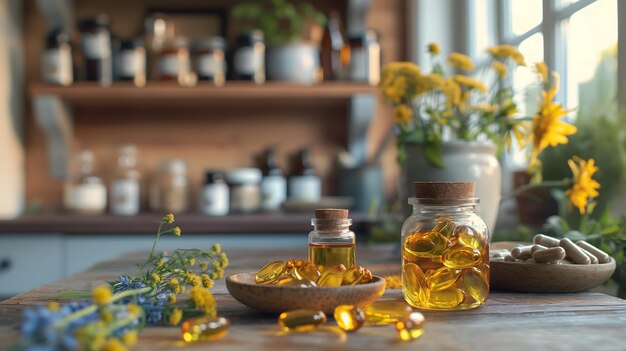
(29,261)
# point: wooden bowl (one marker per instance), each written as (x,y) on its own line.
(278,299)
(547,278)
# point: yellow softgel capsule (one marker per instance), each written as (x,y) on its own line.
(445,299)
(271,272)
(295,282)
(353,275)
(475,284)
(349,317)
(461,257)
(332,276)
(426,244)
(446,228)
(469,237)
(442,278)
(204,328)
(414,286)
(411,328)
(307,270)
(386,312)
(301,320)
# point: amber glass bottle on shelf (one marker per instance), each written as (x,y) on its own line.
(332,55)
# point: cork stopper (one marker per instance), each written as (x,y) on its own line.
(445,190)
(331,213)
(331,219)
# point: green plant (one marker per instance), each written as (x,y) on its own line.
(281,21)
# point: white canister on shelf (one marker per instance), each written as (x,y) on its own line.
(245,194)
(214,199)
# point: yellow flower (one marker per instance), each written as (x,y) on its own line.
(584,186)
(130,338)
(133,310)
(507,51)
(176,316)
(176,231)
(160,263)
(171,298)
(500,69)
(204,266)
(434,49)
(101,294)
(53,306)
(224,259)
(197,281)
(192,262)
(460,61)
(398,81)
(484,107)
(452,91)
(402,114)
(174,283)
(190,276)
(542,69)
(203,299)
(470,83)
(106,316)
(548,129)
(169,218)
(206,281)
(113,345)
(155,277)
(393,282)
(217,248)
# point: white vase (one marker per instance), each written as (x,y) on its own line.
(293,62)
(464,162)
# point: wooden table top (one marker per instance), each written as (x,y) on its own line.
(508,321)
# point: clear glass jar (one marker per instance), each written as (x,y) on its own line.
(332,242)
(445,249)
(125,187)
(171,190)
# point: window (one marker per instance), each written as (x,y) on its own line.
(543,28)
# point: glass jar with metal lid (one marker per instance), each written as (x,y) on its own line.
(210,62)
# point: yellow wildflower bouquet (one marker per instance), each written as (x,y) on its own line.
(429,107)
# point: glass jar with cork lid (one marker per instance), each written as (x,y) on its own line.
(332,242)
(445,248)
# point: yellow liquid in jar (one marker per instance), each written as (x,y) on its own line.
(456,278)
(331,255)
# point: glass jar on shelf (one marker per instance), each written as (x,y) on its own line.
(365,58)
(125,187)
(249,57)
(95,40)
(210,62)
(445,249)
(170,191)
(245,192)
(85,193)
(174,63)
(131,62)
(56,60)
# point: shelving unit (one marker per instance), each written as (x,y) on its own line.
(271,223)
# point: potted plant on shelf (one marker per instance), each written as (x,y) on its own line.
(451,126)
(293,32)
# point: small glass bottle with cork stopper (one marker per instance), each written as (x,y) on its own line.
(332,242)
(445,248)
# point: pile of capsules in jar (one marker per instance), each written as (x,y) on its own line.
(305,274)
(445,267)
(409,324)
(549,250)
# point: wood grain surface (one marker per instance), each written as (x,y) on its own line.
(509,321)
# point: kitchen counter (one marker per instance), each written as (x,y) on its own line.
(511,321)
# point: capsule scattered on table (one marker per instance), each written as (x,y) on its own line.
(549,255)
(602,256)
(545,240)
(536,248)
(574,252)
(204,328)
(411,328)
(386,312)
(349,317)
(522,252)
(301,320)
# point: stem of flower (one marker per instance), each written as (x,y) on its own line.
(544,184)
(154,244)
(63,322)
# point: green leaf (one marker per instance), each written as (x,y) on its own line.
(73,294)
(432,150)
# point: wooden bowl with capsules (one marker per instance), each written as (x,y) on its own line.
(277,299)
(531,277)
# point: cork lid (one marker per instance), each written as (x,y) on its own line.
(331,213)
(445,190)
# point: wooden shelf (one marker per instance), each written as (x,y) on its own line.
(274,223)
(126,92)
